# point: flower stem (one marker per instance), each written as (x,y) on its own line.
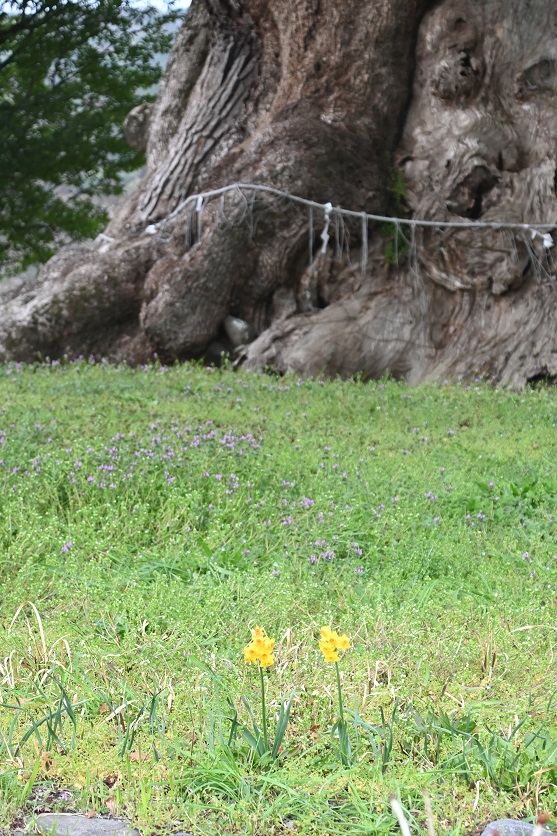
(340,703)
(344,740)
(263,710)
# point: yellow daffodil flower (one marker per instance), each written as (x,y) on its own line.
(343,642)
(260,649)
(331,643)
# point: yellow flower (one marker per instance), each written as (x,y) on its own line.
(260,649)
(343,642)
(249,655)
(327,645)
(331,643)
(266,660)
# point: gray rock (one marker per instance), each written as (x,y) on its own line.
(237,331)
(67,824)
(510,827)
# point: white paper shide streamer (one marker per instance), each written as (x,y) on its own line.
(325,237)
(538,231)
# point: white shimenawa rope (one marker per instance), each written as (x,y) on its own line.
(328,209)
(334,215)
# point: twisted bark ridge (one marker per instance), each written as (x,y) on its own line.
(444,112)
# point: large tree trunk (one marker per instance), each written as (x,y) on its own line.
(451,107)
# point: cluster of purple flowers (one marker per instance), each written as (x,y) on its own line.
(327,552)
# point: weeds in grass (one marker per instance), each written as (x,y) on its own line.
(379,737)
(40,659)
(162,507)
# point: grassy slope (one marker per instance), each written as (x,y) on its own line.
(154,516)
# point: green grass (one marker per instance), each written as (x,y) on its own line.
(151,517)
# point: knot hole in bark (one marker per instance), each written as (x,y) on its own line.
(461,68)
(466,199)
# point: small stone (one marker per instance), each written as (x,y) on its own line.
(67,824)
(510,827)
(237,331)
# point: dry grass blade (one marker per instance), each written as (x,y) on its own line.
(401,818)
(39,624)
(429,815)
(45,656)
(7,672)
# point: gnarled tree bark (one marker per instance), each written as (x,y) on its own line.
(453,102)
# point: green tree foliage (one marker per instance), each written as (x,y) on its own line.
(70,71)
